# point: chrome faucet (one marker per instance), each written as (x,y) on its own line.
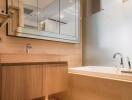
(121,58)
(28,47)
(129,63)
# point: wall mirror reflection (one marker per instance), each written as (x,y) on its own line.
(57,20)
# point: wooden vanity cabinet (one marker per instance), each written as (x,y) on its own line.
(28,82)
(0,82)
(56,78)
(21,82)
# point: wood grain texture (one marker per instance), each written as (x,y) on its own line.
(31,58)
(91,88)
(21,82)
(3,6)
(0,82)
(56,78)
(21,13)
(96,6)
(17,45)
(27,82)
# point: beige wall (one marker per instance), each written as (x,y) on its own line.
(106,32)
(17,45)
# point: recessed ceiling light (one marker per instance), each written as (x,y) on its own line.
(61,16)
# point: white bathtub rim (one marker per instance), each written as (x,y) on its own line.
(117,75)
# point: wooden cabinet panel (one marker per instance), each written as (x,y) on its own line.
(96,6)
(56,78)
(3,6)
(29,82)
(21,82)
(0,82)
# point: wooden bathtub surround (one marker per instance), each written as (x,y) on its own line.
(24,77)
(83,87)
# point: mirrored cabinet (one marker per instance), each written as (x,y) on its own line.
(57,20)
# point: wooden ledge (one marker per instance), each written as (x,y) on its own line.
(8,59)
(31,63)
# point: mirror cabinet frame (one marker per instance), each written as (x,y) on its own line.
(22,31)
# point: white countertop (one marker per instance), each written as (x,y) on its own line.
(102,72)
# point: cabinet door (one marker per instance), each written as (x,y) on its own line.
(0,82)
(21,82)
(56,78)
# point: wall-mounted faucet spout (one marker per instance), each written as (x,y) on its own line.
(28,47)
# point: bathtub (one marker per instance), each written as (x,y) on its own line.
(102,72)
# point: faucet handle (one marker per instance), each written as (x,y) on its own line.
(122,62)
(129,63)
(29,45)
(121,58)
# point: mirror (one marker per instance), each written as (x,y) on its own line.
(49,15)
(68,17)
(31,14)
(56,20)
(37,16)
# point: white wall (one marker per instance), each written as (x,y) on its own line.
(107,32)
